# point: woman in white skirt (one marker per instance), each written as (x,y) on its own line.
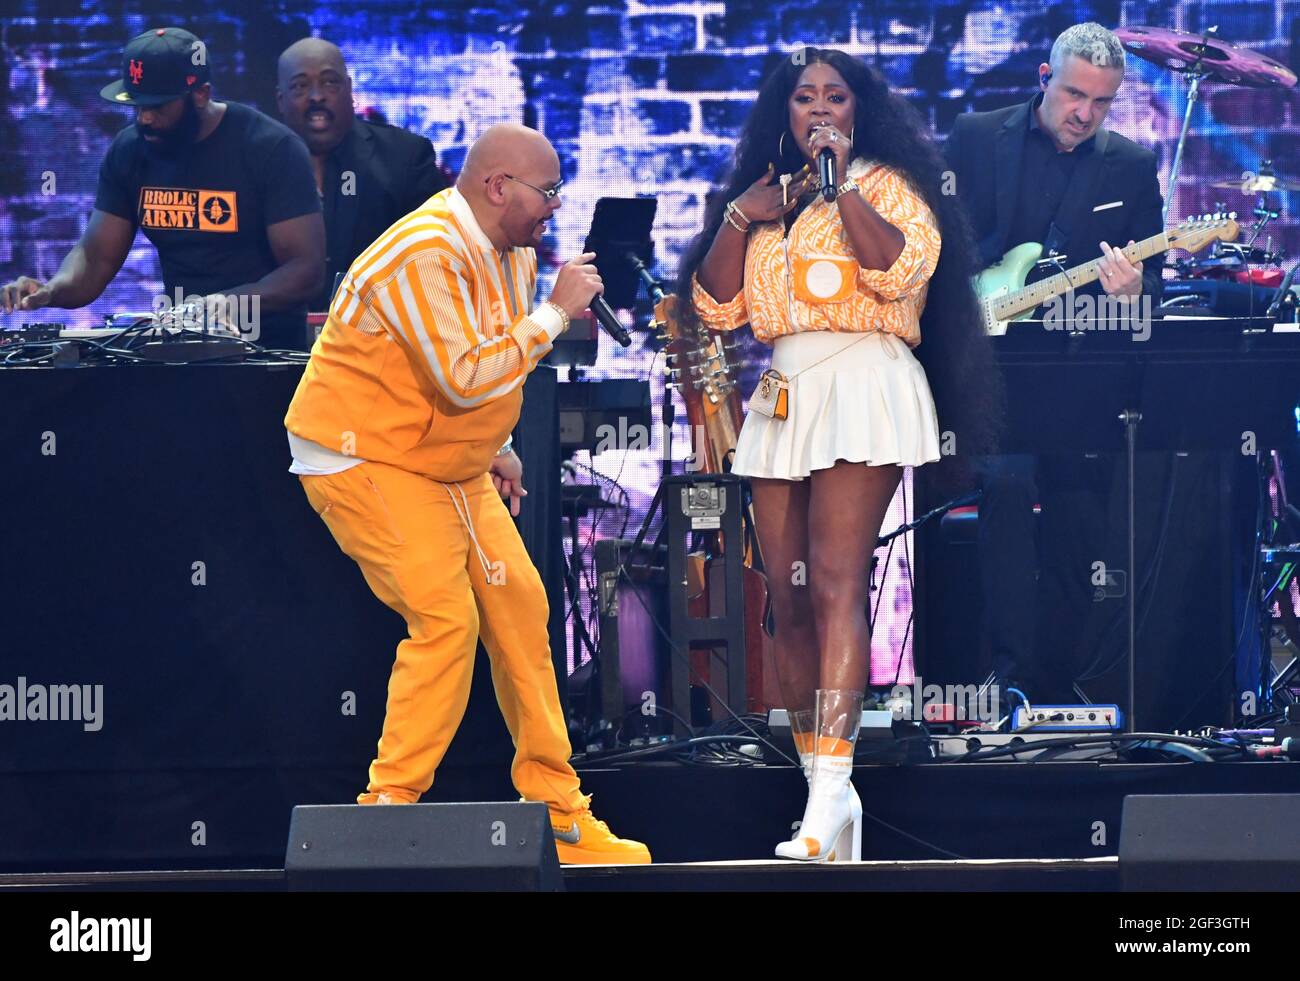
(837,280)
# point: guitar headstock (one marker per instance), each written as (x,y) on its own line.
(697,359)
(1196,232)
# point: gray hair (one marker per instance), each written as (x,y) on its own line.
(1090,41)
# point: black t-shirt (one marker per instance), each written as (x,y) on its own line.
(207,209)
(1045,178)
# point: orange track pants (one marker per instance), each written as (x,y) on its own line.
(412,538)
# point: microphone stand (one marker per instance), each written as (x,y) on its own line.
(1129,418)
(667,410)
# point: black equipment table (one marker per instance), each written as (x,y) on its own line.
(1197,383)
(157,545)
(1177,384)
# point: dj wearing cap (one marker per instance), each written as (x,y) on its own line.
(224,193)
(368,174)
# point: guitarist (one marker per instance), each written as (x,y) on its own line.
(1046,171)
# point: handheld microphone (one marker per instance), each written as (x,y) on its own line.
(826,171)
(608,322)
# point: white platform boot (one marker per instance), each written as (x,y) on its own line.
(831,829)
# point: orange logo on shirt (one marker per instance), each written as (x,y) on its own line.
(217,212)
(186,209)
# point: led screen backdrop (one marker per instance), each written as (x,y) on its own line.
(638,98)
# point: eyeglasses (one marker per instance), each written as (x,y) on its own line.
(550,194)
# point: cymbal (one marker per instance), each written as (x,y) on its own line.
(1257,184)
(1178,51)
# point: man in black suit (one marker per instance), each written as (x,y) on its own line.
(1047,172)
(368,174)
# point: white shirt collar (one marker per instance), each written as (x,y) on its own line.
(858,167)
(465,215)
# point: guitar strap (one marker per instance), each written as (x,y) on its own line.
(1055,241)
(1076,200)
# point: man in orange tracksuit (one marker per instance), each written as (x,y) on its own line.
(400,435)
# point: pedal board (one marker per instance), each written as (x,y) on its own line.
(881,739)
(1067,718)
(946,747)
(875,724)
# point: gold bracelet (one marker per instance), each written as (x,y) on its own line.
(561,311)
(848,185)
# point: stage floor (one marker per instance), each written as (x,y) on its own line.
(1020,875)
(926,826)
(950,811)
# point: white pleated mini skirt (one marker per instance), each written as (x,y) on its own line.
(867,402)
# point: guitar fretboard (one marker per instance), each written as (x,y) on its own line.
(1028,297)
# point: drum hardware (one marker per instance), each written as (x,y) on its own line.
(1202,58)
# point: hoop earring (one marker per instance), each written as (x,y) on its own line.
(780,147)
(851,132)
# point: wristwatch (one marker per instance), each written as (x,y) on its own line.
(848,185)
(509,445)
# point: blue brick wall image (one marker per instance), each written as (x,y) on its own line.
(639,97)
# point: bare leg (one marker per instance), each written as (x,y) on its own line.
(781,512)
(847,506)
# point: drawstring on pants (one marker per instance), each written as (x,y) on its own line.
(469,526)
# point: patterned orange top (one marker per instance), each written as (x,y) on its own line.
(810,280)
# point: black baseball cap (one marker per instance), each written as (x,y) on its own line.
(157,67)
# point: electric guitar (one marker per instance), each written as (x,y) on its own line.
(1004,297)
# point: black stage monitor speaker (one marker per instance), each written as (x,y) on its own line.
(494,847)
(1210,843)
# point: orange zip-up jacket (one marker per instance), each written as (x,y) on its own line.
(422,360)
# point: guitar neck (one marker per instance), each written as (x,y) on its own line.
(1028,297)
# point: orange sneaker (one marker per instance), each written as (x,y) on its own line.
(581,839)
(383,797)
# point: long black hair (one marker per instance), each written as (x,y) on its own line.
(954,349)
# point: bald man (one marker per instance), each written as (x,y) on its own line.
(400,435)
(367,174)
